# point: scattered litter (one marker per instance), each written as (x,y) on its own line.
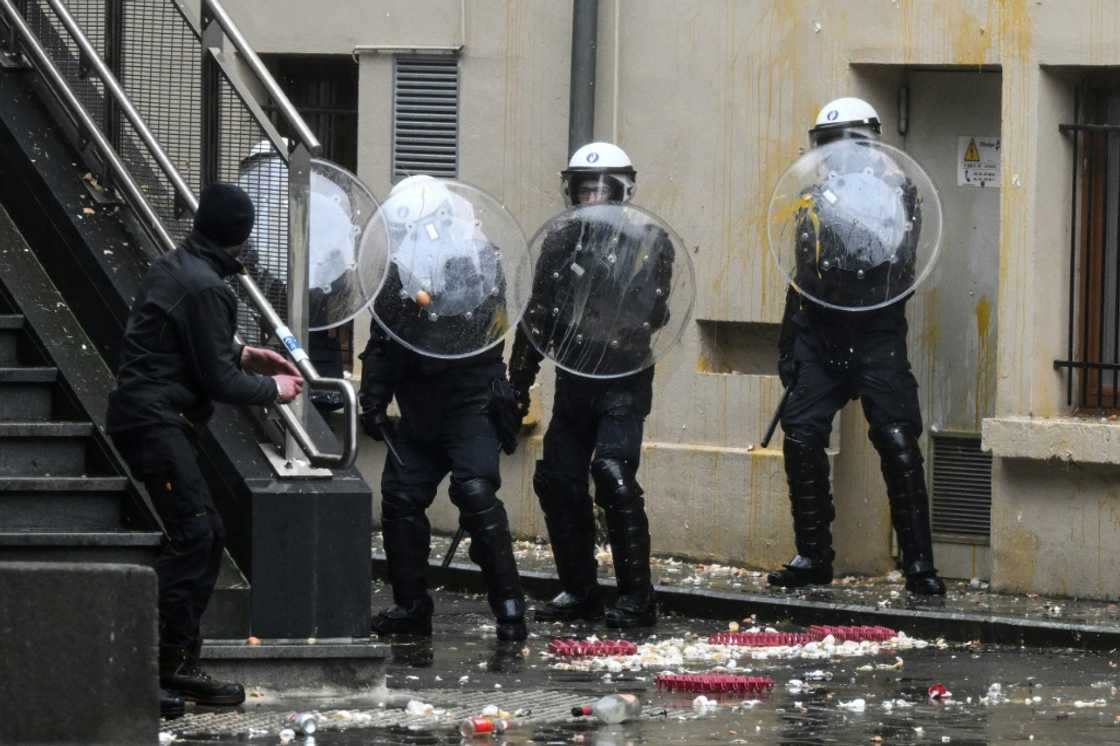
(938,691)
(166,738)
(1094,703)
(702,705)
(797,686)
(416,707)
(287,735)
(995,695)
(254,640)
(856,705)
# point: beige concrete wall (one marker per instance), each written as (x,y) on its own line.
(712,99)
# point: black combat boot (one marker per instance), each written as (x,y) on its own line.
(492,550)
(407,536)
(811,504)
(171,706)
(570,519)
(628,529)
(180,673)
(406,617)
(901,461)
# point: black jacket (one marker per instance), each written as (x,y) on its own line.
(178,354)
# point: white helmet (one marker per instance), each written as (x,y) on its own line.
(415,198)
(845,117)
(599,168)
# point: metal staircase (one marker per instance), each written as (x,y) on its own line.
(63,493)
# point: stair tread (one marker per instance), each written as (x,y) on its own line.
(62,484)
(28,375)
(80,538)
(11,321)
(45,429)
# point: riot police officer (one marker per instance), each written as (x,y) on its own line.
(597,299)
(857,233)
(451,406)
(178,357)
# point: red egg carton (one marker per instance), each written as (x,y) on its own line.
(760,639)
(717,683)
(588,649)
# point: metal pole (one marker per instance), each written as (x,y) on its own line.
(210,98)
(299,243)
(581,102)
(114,47)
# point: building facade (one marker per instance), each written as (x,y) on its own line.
(1011,339)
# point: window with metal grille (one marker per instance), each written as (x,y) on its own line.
(962,487)
(426,115)
(1093,347)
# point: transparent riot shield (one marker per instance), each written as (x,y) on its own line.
(340,209)
(613,290)
(453,282)
(855,225)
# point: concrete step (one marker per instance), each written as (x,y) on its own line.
(62,484)
(94,505)
(27,394)
(28,375)
(140,547)
(44,457)
(11,334)
(45,430)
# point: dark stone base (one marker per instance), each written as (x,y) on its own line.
(78,654)
(282,666)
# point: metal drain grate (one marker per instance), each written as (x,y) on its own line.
(962,487)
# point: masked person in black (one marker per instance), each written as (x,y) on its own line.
(600,291)
(857,237)
(444,290)
(178,357)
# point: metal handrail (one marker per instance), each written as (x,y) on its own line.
(283,105)
(158,232)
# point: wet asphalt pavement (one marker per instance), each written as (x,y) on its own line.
(1051,696)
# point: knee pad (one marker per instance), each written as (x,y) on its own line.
(555,492)
(473,496)
(615,485)
(897,443)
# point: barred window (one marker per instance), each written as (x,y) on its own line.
(1093,346)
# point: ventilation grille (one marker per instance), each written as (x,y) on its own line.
(426,115)
(962,487)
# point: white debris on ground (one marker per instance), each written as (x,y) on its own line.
(676,652)
(421,709)
(287,735)
(1094,703)
(702,705)
(166,738)
(856,705)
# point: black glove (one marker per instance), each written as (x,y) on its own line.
(787,370)
(374,421)
(505,410)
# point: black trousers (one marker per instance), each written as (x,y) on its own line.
(602,419)
(449,432)
(166,461)
(874,368)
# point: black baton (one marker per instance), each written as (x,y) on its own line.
(454,547)
(776,419)
(389,444)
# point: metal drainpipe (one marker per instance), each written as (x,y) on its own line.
(581,106)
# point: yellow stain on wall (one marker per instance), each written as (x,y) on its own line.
(985,359)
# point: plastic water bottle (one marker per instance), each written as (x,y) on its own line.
(483,726)
(614,708)
(303,723)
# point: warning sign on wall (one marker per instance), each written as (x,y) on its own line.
(978,162)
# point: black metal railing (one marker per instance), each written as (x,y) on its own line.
(99,103)
(1092,357)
